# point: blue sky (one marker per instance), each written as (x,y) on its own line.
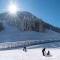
(48,10)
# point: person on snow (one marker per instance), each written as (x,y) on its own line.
(48,53)
(24,48)
(43,51)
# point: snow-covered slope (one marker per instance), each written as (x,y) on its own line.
(12,33)
(31,54)
(26,21)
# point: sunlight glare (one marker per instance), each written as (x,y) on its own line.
(12,9)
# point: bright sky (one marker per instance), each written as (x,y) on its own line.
(48,10)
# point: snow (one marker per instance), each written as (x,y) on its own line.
(11,37)
(11,33)
(31,54)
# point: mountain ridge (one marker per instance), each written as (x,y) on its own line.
(26,21)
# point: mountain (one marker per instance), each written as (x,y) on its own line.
(26,26)
(25,29)
(26,21)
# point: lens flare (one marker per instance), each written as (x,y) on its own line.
(12,9)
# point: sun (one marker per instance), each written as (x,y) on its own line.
(12,9)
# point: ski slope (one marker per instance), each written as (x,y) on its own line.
(12,34)
(11,37)
(31,54)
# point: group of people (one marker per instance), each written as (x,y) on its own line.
(44,52)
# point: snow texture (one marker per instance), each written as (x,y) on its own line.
(31,54)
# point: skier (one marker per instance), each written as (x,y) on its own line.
(43,51)
(24,48)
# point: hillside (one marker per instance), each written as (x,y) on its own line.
(26,29)
(26,21)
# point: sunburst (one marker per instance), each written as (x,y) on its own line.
(12,9)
